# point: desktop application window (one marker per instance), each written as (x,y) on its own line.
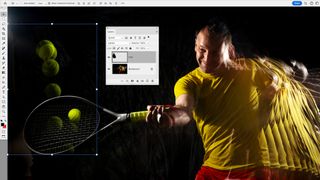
(71,70)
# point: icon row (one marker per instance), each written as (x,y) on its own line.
(137,37)
(127,48)
(99,3)
(120,48)
(311,3)
(137,80)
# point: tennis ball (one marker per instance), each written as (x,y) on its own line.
(74,115)
(46,50)
(74,127)
(52,90)
(50,68)
(55,121)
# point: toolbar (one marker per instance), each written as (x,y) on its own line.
(159,3)
(3,73)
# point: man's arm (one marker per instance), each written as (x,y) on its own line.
(168,116)
(267,79)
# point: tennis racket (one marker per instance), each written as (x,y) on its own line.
(49,131)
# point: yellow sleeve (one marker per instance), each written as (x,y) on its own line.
(185,85)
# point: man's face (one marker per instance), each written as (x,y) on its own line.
(208,51)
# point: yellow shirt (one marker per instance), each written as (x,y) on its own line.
(240,128)
(226,116)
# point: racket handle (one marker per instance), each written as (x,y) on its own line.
(138,116)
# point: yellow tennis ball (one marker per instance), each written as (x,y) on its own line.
(50,68)
(46,50)
(52,90)
(55,122)
(74,115)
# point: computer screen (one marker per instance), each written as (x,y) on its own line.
(73,74)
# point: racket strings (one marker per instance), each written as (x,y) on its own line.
(49,130)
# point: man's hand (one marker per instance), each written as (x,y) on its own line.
(161,114)
(270,91)
(168,115)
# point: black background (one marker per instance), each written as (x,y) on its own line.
(134,151)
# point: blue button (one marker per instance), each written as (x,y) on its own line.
(297,3)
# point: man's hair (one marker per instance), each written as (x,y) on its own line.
(216,28)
